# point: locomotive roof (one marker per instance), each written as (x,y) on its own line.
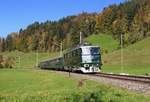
(52,58)
(82,46)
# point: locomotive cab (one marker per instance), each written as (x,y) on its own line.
(91,59)
(86,59)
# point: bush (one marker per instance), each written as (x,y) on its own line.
(1,61)
(1,66)
(7,62)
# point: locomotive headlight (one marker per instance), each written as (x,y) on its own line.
(86,65)
(97,65)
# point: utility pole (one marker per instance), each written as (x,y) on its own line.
(18,57)
(19,61)
(61,49)
(121,43)
(37,58)
(80,38)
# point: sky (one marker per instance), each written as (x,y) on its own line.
(17,14)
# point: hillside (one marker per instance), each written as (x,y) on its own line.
(136,59)
(131,18)
(104,41)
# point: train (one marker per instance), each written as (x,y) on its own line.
(84,59)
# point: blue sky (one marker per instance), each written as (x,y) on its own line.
(16,14)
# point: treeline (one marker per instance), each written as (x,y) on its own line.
(131,18)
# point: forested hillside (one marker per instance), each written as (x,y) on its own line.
(131,18)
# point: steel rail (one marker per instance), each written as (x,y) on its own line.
(137,79)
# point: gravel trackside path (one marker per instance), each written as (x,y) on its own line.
(131,86)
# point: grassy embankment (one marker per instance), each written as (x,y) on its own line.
(46,86)
(136,57)
(105,42)
(28,60)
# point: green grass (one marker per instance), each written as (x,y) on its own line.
(46,86)
(136,59)
(28,60)
(105,41)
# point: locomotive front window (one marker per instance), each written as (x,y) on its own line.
(85,51)
(95,58)
(91,51)
(95,50)
(90,55)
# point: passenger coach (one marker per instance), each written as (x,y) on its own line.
(54,64)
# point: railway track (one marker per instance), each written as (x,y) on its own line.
(137,79)
(131,78)
(139,84)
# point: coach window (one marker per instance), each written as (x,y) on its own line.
(80,51)
(72,53)
(76,52)
(66,56)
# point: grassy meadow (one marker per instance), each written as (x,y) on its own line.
(28,60)
(105,41)
(46,86)
(136,57)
